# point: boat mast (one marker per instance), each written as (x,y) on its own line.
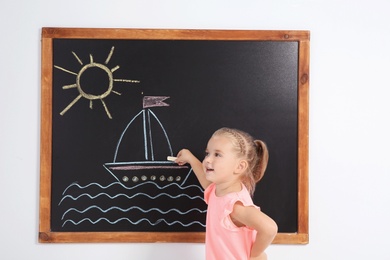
(150,101)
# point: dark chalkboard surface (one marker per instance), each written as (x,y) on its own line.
(116,105)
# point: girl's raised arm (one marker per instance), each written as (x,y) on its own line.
(185,156)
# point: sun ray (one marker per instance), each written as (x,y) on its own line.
(77,58)
(69,86)
(90,104)
(70,104)
(109,55)
(68,71)
(91,58)
(115,68)
(116,92)
(105,107)
(127,80)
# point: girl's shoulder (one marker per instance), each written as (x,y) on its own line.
(228,199)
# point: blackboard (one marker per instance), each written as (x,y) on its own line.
(117,102)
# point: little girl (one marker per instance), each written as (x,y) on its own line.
(235,228)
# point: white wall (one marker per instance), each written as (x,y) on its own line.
(349,117)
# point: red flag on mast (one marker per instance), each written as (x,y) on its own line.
(155,101)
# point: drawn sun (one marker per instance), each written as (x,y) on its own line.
(94,92)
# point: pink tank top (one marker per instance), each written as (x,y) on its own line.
(224,240)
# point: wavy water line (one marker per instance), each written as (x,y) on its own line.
(129,197)
(131,188)
(133,223)
(132,208)
(135,186)
(90,184)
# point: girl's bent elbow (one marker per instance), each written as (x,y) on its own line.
(273,230)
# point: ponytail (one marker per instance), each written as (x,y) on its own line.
(261,164)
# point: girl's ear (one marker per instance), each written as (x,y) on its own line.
(242,166)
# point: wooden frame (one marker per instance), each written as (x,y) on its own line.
(48,34)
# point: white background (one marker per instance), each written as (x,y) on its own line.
(349,117)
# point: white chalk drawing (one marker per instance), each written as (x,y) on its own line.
(188,189)
(123,186)
(120,169)
(127,196)
(136,222)
(128,209)
(85,94)
(147,192)
(148,101)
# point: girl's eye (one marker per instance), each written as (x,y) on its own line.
(206,154)
(217,155)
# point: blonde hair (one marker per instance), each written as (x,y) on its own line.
(255,152)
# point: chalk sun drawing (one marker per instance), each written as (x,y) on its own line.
(83,93)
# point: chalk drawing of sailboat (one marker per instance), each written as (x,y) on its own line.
(150,168)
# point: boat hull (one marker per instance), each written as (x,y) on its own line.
(161,172)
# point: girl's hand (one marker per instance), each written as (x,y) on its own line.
(184,156)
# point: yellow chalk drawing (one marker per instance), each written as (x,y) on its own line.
(92,97)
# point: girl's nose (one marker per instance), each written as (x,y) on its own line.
(207,159)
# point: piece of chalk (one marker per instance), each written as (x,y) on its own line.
(171,158)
